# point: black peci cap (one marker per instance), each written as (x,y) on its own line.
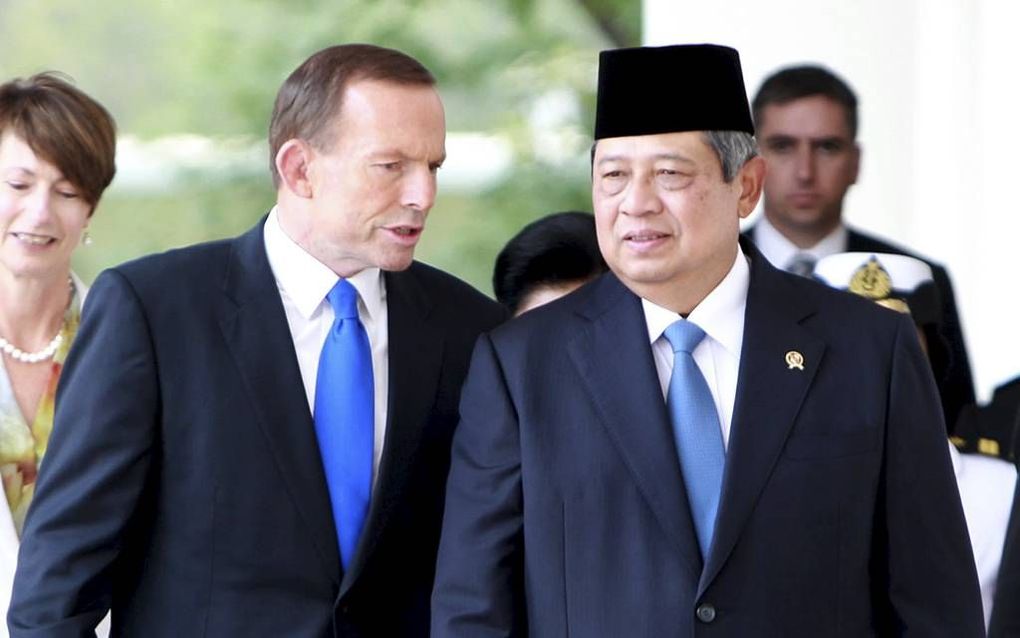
(652,90)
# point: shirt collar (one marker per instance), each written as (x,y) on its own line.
(306,280)
(720,314)
(780,251)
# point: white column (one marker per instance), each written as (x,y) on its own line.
(936,80)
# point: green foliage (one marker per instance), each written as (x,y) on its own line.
(213,68)
(126,226)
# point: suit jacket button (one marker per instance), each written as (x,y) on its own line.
(705,612)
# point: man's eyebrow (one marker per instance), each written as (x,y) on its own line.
(821,139)
(396,154)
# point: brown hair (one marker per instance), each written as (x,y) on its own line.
(63,126)
(310,98)
(797,82)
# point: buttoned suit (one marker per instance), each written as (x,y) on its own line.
(183,485)
(566,512)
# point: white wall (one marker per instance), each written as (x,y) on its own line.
(937,82)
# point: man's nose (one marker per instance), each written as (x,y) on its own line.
(641,198)
(420,190)
(805,164)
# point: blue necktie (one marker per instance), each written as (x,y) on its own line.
(344,419)
(802,264)
(696,431)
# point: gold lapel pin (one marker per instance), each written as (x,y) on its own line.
(794,359)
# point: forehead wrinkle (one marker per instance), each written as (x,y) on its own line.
(405,154)
(676,157)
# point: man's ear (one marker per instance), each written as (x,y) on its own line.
(751,178)
(293,161)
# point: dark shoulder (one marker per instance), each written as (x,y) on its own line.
(176,286)
(845,304)
(867,243)
(992,429)
(187,269)
(451,294)
(444,285)
(829,312)
(561,319)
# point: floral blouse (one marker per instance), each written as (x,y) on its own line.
(22,445)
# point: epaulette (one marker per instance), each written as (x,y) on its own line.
(993,429)
(983,446)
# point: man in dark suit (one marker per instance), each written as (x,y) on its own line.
(193,483)
(806,120)
(782,472)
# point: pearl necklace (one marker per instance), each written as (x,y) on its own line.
(33,357)
(42,355)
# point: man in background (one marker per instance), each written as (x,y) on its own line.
(806,120)
(252,435)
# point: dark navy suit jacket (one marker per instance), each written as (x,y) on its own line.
(566,513)
(183,485)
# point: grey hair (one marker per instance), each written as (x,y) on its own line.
(734,149)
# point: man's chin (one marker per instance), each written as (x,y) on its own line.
(397,263)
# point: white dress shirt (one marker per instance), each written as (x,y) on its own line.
(986,491)
(780,251)
(303,282)
(721,316)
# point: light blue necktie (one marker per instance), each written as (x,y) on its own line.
(802,264)
(344,417)
(696,431)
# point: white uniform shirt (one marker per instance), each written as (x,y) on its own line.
(986,490)
(303,282)
(780,251)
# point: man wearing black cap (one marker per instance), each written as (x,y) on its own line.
(697,443)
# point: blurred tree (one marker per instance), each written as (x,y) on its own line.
(517,69)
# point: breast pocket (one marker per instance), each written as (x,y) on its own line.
(831,445)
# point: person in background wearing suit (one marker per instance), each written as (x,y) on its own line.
(547,259)
(697,443)
(252,435)
(806,120)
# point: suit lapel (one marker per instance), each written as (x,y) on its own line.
(415,357)
(769,396)
(257,334)
(614,358)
